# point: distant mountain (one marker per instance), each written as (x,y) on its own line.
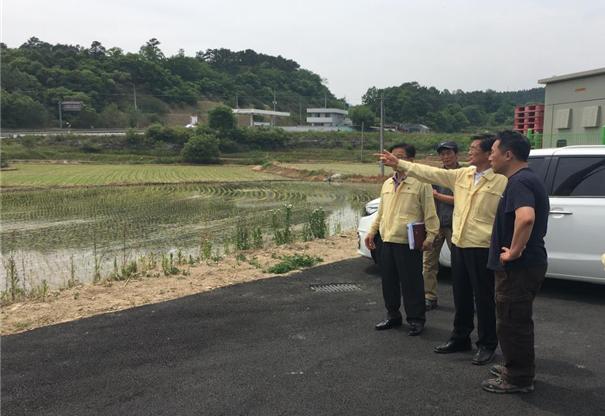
(121,89)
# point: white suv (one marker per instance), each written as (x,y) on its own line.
(575,241)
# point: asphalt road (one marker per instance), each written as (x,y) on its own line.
(276,347)
(55,132)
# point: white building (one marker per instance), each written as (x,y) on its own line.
(251,112)
(327,117)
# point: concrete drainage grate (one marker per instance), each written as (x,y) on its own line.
(335,287)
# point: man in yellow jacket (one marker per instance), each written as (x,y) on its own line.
(403,200)
(477,192)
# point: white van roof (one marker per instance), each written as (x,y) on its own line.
(584,150)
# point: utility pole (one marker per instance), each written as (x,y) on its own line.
(299,112)
(136,109)
(361,156)
(274,105)
(325,100)
(381,131)
(60,116)
(236,101)
(134,94)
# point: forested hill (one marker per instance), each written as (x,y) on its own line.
(122,89)
(449,111)
(37,75)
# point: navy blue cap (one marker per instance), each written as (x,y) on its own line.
(447,145)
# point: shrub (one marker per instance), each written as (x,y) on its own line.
(221,118)
(174,135)
(229,146)
(296,261)
(262,138)
(112,116)
(133,139)
(89,147)
(201,149)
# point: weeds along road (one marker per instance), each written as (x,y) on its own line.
(278,347)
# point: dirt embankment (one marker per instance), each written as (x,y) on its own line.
(92,299)
(328,176)
(317,175)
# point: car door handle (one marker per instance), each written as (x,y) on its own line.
(560,212)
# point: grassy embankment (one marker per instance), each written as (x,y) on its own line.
(333,146)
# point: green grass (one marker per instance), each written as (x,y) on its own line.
(57,175)
(294,262)
(59,151)
(308,146)
(345,148)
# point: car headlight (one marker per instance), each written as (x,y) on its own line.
(370,209)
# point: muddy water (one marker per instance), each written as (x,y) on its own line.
(56,234)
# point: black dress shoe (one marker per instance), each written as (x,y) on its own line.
(415,329)
(453,346)
(430,304)
(483,356)
(497,370)
(388,324)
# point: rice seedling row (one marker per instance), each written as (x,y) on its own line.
(45,175)
(56,234)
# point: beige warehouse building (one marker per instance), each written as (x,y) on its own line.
(574,109)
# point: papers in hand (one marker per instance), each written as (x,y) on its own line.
(416,235)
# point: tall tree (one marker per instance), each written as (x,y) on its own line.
(221,118)
(362,114)
(151,50)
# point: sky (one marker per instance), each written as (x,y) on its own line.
(353,45)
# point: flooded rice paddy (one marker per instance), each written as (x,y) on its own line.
(56,234)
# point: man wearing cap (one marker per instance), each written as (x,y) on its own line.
(477,192)
(444,202)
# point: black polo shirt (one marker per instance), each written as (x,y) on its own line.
(524,189)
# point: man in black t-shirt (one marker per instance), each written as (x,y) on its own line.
(518,257)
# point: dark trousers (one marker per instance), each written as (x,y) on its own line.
(401,270)
(473,285)
(515,294)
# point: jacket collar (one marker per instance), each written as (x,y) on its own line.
(407,180)
(488,174)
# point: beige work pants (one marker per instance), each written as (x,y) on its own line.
(430,263)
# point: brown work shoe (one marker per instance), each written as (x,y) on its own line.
(497,385)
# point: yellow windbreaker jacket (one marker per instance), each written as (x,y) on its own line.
(411,202)
(475,206)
